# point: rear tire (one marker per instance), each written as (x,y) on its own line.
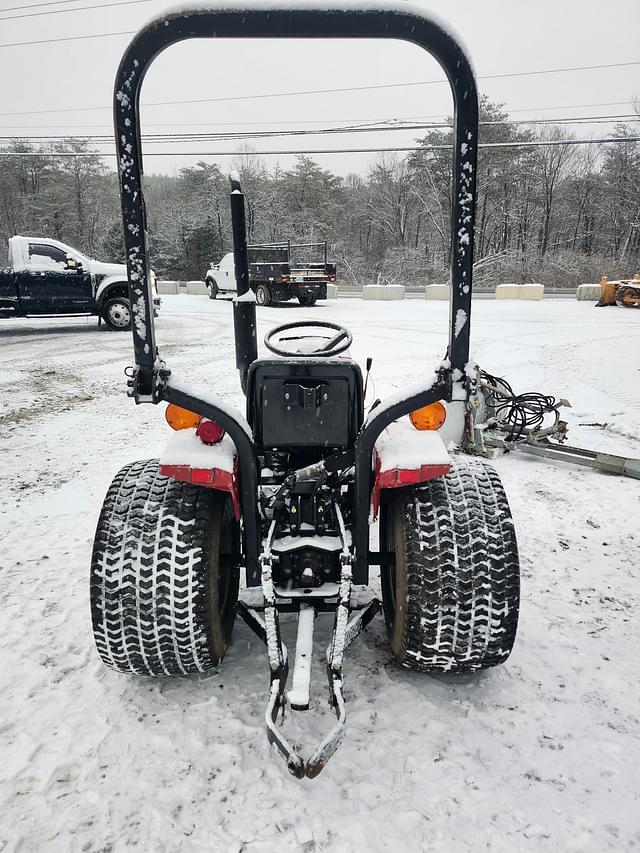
(161,603)
(116,313)
(308,299)
(213,288)
(451,599)
(263,295)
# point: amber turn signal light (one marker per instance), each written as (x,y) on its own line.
(429,417)
(179,418)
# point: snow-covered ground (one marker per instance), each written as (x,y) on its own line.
(542,754)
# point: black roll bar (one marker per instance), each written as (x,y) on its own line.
(400,21)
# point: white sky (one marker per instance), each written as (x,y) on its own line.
(502,36)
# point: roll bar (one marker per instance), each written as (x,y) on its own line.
(150,380)
(233,19)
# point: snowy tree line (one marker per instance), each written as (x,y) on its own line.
(561,215)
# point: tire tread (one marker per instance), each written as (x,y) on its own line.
(460,556)
(149,581)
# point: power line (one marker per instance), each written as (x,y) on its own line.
(306,92)
(65,38)
(423,148)
(372,121)
(66,11)
(169,138)
(569,107)
(39,5)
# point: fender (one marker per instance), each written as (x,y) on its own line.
(404,456)
(107,284)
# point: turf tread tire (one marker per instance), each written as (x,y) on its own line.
(154,575)
(451,604)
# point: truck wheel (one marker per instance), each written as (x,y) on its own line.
(213,288)
(263,295)
(307,299)
(162,597)
(116,313)
(451,599)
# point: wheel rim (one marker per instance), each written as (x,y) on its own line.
(119,315)
(389,580)
(223,601)
(393,577)
(224,577)
(260,296)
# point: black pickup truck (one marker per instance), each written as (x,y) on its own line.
(46,277)
(278,272)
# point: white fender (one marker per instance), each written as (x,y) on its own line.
(108,282)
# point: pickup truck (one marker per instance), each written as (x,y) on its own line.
(277,272)
(46,277)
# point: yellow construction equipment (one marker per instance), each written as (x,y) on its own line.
(625,292)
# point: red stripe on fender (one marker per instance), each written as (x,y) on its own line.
(210,478)
(395,478)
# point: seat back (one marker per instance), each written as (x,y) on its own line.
(304,402)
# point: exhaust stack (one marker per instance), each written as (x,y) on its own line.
(244,305)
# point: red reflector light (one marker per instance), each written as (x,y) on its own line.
(210,432)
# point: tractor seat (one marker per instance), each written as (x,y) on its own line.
(304,402)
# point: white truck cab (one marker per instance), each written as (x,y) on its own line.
(221,278)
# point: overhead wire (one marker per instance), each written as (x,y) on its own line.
(67,11)
(38,5)
(260,96)
(316,151)
(65,38)
(352,121)
(164,138)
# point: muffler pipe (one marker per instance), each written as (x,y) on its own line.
(244,305)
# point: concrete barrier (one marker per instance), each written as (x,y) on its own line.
(437,291)
(383,291)
(332,291)
(520,291)
(588,292)
(168,287)
(197,288)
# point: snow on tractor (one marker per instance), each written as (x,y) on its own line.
(286,493)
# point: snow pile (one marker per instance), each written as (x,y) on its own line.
(184,447)
(402,446)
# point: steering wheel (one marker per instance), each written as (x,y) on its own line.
(334,345)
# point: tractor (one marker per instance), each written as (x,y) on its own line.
(279,500)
